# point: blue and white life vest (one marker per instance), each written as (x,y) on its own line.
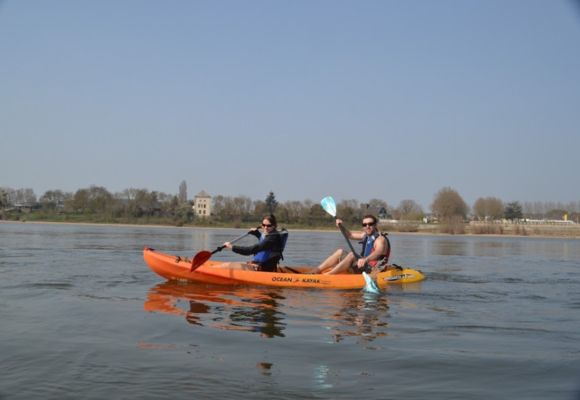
(264,255)
(368,244)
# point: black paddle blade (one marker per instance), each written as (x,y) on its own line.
(199,259)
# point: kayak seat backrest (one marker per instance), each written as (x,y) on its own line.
(284,238)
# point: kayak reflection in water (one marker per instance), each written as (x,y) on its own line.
(267,252)
(263,318)
(239,309)
(361,317)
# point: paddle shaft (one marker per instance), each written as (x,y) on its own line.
(220,248)
(201,257)
(343,231)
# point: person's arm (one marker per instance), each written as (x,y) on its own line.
(254,232)
(266,244)
(349,234)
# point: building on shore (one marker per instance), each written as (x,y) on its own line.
(202,204)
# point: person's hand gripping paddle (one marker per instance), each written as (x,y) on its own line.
(201,258)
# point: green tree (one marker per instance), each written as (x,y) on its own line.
(351,211)
(100,200)
(317,215)
(271,202)
(79,202)
(182,192)
(3,198)
(54,199)
(513,211)
(377,204)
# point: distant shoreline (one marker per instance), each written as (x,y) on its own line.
(535,231)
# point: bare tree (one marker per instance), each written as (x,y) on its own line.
(22,196)
(260,208)
(488,208)
(243,206)
(409,210)
(227,208)
(448,204)
(295,210)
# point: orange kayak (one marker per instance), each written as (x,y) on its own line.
(174,267)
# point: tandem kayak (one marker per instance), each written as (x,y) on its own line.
(173,267)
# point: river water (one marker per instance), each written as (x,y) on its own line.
(82,316)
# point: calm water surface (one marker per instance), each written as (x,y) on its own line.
(82,316)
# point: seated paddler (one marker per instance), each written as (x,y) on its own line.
(267,252)
(374,253)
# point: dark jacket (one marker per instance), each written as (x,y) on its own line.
(272,242)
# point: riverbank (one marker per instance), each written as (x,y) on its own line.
(571,231)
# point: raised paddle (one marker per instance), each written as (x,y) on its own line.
(200,258)
(329,205)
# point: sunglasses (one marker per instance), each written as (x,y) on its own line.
(369,224)
(267,225)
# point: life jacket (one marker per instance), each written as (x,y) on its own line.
(264,255)
(368,243)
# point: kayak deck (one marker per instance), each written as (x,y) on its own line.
(174,267)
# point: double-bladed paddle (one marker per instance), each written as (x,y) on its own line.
(329,205)
(200,258)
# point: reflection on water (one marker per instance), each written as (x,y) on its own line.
(260,310)
(497,317)
(265,368)
(239,309)
(362,315)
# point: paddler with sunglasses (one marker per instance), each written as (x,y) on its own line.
(267,252)
(374,254)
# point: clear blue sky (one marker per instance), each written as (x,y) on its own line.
(356,99)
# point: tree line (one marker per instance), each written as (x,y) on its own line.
(96,203)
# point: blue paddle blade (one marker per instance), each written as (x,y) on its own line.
(329,205)
(370,284)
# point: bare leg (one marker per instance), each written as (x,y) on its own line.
(343,266)
(330,262)
(235,265)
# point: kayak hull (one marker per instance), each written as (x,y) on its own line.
(172,267)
